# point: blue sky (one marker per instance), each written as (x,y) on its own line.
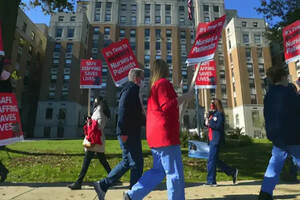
(245,9)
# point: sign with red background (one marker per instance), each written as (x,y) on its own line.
(90,73)
(205,45)
(207,75)
(291,41)
(120,60)
(10,123)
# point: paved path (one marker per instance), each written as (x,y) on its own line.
(244,190)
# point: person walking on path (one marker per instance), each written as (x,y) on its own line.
(130,120)
(282,117)
(216,136)
(101,114)
(162,131)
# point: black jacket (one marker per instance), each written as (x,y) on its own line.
(130,114)
(282,115)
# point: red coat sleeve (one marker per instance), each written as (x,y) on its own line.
(167,98)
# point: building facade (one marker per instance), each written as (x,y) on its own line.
(28,54)
(155,29)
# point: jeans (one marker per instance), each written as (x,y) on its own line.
(132,158)
(167,161)
(86,163)
(213,162)
(276,163)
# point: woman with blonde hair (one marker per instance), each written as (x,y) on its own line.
(216,136)
(162,132)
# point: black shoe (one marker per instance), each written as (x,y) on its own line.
(75,186)
(264,196)
(99,191)
(235,175)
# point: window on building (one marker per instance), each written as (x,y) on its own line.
(206,8)
(157,19)
(259,52)
(146,59)
(49,113)
(168,19)
(108,12)
(98,5)
(169,33)
(60,18)
(97,17)
(230,57)
(168,14)
(124,7)
(147,45)
(24,27)
(169,46)
(147,32)
(248,52)
(73,18)
(47,132)
(229,44)
(58,32)
(255,24)
(157,34)
(106,31)
(133,9)
(147,19)
(157,45)
(122,33)
(32,35)
(206,19)
(69,47)
(57,47)
(132,33)
(245,38)
(250,69)
(251,83)
(133,20)
(257,38)
(123,19)
(70,32)
(244,24)
(253,99)
(216,8)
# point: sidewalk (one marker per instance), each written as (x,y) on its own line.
(244,190)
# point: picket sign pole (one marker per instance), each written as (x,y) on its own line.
(89,99)
(184,105)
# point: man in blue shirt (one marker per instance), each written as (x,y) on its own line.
(282,117)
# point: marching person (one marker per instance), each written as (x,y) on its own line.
(162,131)
(216,137)
(101,114)
(282,117)
(130,120)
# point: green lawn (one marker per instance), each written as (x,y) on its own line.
(61,160)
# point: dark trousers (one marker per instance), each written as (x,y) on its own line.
(132,158)
(213,162)
(86,163)
(3,172)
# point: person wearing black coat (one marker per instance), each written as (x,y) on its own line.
(282,117)
(131,118)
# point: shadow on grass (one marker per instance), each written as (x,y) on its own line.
(111,155)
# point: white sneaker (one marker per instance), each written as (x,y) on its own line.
(99,191)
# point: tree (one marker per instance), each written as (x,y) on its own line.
(284,12)
(9,12)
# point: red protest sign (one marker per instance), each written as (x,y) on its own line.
(90,73)
(10,123)
(205,45)
(207,75)
(291,40)
(120,60)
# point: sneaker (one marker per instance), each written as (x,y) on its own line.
(126,196)
(234,176)
(75,186)
(264,196)
(210,184)
(99,191)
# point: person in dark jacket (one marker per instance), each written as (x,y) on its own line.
(131,118)
(216,136)
(282,117)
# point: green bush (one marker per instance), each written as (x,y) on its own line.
(242,140)
(185,136)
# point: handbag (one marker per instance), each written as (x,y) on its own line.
(86,143)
